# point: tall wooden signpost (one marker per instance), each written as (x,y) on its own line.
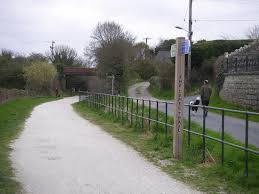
(179,50)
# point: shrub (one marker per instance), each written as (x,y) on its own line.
(166,72)
(219,70)
(146,68)
(39,77)
(155,81)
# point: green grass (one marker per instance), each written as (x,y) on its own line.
(216,101)
(165,94)
(12,117)
(155,146)
(168,94)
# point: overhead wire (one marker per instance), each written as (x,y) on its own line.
(225,20)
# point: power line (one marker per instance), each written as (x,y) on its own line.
(186,13)
(147,38)
(224,20)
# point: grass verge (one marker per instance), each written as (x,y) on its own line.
(216,101)
(209,177)
(168,94)
(12,117)
(165,94)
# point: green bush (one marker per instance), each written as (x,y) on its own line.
(146,68)
(40,76)
(220,77)
(11,70)
(155,81)
(166,72)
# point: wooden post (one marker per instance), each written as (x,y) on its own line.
(179,99)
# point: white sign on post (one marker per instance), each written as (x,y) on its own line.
(173,50)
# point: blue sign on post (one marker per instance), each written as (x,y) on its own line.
(185,47)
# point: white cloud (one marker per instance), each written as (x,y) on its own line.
(27,25)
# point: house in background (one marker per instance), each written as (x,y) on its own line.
(163,57)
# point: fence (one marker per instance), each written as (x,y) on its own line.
(241,64)
(129,108)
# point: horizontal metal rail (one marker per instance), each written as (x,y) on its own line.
(140,108)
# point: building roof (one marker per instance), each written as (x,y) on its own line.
(164,56)
(79,71)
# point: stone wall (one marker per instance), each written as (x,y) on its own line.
(242,89)
(10,94)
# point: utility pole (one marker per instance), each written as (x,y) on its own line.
(146,49)
(147,38)
(52,49)
(189,69)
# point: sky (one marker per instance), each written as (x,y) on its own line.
(30,25)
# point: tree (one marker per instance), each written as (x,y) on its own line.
(111,47)
(142,51)
(63,56)
(40,76)
(11,70)
(253,33)
(166,73)
(37,57)
(146,68)
(164,45)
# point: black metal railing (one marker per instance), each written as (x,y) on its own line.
(129,108)
(241,64)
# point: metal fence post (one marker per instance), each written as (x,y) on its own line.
(90,100)
(131,116)
(246,146)
(112,104)
(203,136)
(157,115)
(137,113)
(222,136)
(119,107)
(106,102)
(109,98)
(94,100)
(122,111)
(189,126)
(98,102)
(166,118)
(127,109)
(142,114)
(115,105)
(149,114)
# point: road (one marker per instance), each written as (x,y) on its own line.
(233,126)
(59,152)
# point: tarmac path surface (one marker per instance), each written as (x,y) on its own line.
(233,126)
(58,152)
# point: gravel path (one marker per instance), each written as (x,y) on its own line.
(233,126)
(61,153)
